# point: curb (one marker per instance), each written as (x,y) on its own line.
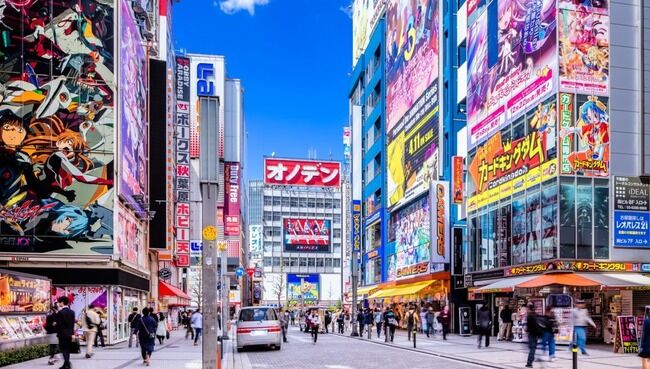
(420,351)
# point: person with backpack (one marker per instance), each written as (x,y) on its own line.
(412,320)
(379,319)
(51,328)
(534,332)
(390,322)
(361,321)
(429,318)
(484,324)
(548,335)
(100,329)
(133,319)
(89,323)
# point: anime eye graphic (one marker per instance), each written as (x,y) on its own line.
(6,127)
(63,97)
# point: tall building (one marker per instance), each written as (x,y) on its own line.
(255,201)
(302,232)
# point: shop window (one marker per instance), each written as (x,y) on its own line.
(601,219)
(533,224)
(503,236)
(549,221)
(567,218)
(519,231)
(584,218)
(491,239)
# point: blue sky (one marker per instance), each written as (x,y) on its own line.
(293,57)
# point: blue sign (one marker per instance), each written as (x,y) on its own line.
(205,77)
(356,226)
(239,272)
(196,246)
(645,268)
(631,229)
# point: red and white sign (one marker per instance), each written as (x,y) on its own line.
(307,235)
(290,172)
(232,194)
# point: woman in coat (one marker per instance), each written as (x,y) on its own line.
(146,330)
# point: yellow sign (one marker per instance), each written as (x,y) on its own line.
(210,233)
(222,246)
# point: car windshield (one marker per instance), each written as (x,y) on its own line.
(256,315)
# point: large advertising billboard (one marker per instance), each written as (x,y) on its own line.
(440,229)
(133,125)
(308,173)
(524,71)
(57,127)
(232,212)
(412,57)
(365,14)
(584,46)
(20,293)
(303,287)
(504,165)
(412,228)
(307,235)
(130,239)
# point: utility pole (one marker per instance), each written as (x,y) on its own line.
(209,188)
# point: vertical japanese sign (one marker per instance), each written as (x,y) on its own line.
(439,195)
(182,125)
(457,178)
(232,212)
(566,142)
(356,226)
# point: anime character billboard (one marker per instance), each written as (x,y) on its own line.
(584,46)
(525,69)
(56,126)
(304,287)
(477,65)
(133,120)
(412,227)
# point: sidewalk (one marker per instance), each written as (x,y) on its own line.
(175,353)
(509,354)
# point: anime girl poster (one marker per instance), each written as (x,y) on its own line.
(477,68)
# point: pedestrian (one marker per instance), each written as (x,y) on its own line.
(369,321)
(340,321)
(379,320)
(423,318)
(189,331)
(197,325)
(284,322)
(361,321)
(444,318)
(293,318)
(146,330)
(161,330)
(429,319)
(535,331)
(100,329)
(644,345)
(484,323)
(412,319)
(348,321)
(549,331)
(89,322)
(506,323)
(51,328)
(65,329)
(328,321)
(390,322)
(133,320)
(580,317)
(315,324)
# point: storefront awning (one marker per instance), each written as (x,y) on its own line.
(166,289)
(403,290)
(565,279)
(366,290)
(620,280)
(504,285)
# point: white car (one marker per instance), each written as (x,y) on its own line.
(258,326)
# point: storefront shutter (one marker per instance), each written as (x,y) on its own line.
(640,300)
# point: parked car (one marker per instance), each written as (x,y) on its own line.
(258,326)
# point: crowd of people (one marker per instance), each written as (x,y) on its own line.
(147,325)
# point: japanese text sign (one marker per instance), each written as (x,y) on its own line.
(289,172)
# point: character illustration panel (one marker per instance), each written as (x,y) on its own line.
(56,126)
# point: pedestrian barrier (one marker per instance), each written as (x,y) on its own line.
(415,332)
(574,351)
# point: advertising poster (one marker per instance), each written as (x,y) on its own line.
(631,229)
(525,69)
(303,287)
(501,167)
(255,234)
(232,212)
(57,136)
(23,294)
(474,9)
(477,66)
(588,137)
(130,243)
(632,193)
(457,180)
(133,120)
(412,227)
(307,235)
(440,229)
(360,35)
(81,298)
(308,173)
(584,46)
(626,340)
(356,226)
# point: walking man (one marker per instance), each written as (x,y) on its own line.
(411,321)
(484,325)
(534,332)
(506,323)
(390,322)
(379,319)
(444,319)
(133,320)
(340,320)
(361,320)
(65,329)
(196,322)
(189,331)
(90,324)
(328,321)
(580,317)
(315,324)
(429,317)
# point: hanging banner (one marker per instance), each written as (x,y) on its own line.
(439,194)
(457,179)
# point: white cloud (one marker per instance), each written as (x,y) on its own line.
(347,9)
(233,6)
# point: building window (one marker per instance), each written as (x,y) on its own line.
(584,218)
(277,201)
(294,202)
(336,263)
(303,262)
(337,204)
(286,202)
(293,262)
(337,247)
(320,202)
(601,219)
(336,218)
(268,216)
(276,261)
(277,216)
(285,261)
(549,221)
(328,203)
(268,262)
(277,231)
(328,263)
(311,262)
(268,200)
(337,233)
(320,262)
(303,202)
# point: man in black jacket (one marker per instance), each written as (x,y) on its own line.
(534,332)
(65,329)
(506,323)
(134,320)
